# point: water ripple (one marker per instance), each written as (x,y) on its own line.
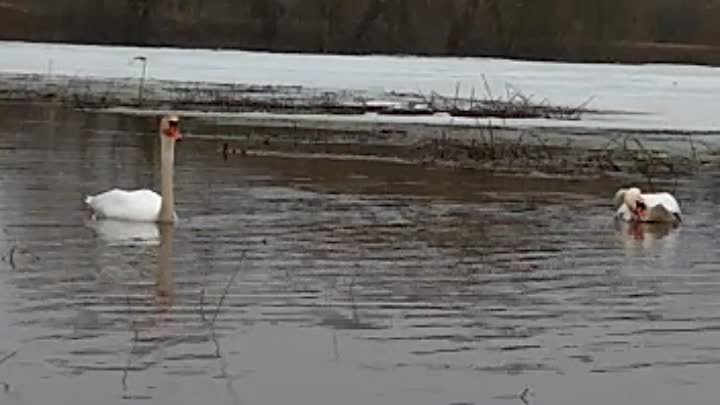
(473,281)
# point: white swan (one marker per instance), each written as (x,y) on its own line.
(634,206)
(145,205)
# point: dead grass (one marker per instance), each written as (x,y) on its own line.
(486,148)
(91,93)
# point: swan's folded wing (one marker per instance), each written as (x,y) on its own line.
(664,199)
(659,213)
(664,204)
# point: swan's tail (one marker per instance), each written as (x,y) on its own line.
(88,201)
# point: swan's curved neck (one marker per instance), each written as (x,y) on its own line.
(167,163)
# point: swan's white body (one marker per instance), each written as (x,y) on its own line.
(661,207)
(144,205)
(136,205)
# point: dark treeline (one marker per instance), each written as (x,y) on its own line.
(576,30)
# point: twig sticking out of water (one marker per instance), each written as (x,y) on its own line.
(524,396)
(11,257)
(202,306)
(15,249)
(211,325)
(8,356)
(134,330)
(211,322)
(226,290)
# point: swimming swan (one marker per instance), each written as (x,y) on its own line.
(634,206)
(145,205)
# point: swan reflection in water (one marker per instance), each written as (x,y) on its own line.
(163,277)
(125,233)
(135,239)
(143,234)
(649,236)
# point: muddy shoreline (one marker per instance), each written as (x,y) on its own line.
(493,149)
(499,149)
(292,120)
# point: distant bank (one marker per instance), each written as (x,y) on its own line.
(629,31)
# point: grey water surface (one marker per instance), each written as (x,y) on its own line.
(311,281)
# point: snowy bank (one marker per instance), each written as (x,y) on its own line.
(670,97)
(651,119)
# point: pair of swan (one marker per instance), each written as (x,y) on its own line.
(147,206)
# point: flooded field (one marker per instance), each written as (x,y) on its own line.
(311,281)
(669,97)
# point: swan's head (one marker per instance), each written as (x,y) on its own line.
(634,201)
(170,127)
